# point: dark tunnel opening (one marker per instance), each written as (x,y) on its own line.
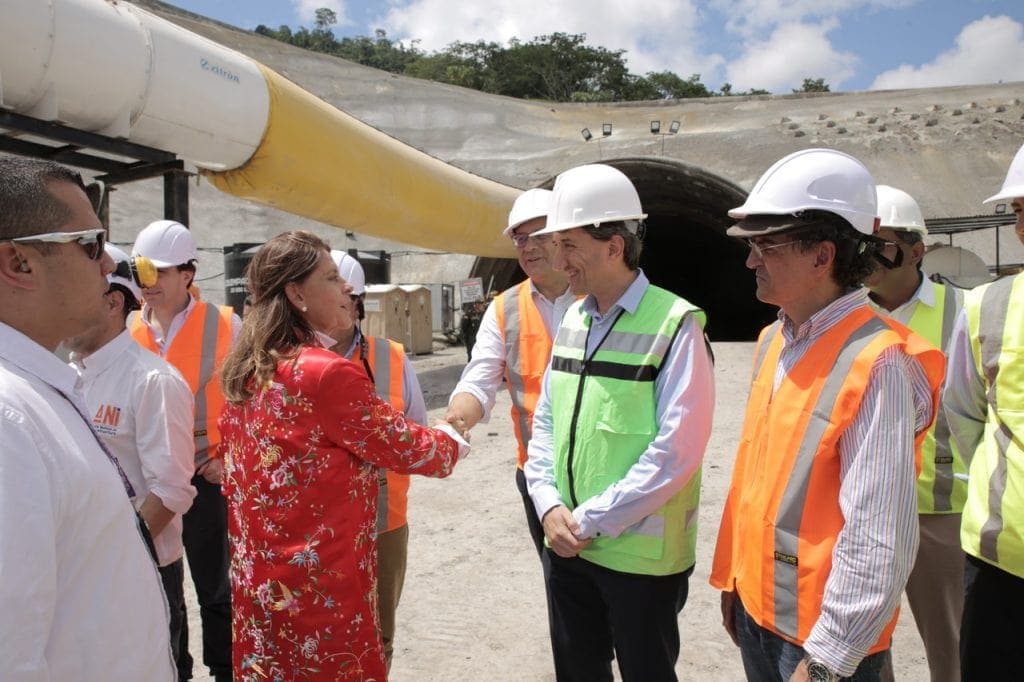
(685,249)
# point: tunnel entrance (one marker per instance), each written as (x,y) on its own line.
(685,249)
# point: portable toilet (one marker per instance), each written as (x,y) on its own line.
(386,315)
(420,319)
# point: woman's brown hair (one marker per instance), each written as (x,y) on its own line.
(272,330)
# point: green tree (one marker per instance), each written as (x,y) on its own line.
(380,52)
(325,17)
(814,85)
(670,86)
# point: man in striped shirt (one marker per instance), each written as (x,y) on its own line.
(820,529)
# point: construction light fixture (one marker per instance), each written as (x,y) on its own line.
(1000,209)
(606,129)
(673,128)
(586,134)
(655,127)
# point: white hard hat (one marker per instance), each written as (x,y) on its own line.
(167,243)
(350,270)
(533,203)
(811,180)
(1013,186)
(115,277)
(899,211)
(591,195)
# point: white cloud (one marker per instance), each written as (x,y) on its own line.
(987,50)
(791,53)
(754,17)
(306,10)
(657,36)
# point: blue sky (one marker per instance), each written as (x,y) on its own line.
(771,44)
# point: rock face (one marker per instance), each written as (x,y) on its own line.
(917,140)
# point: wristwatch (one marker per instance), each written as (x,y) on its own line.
(819,672)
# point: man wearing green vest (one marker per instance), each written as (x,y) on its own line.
(899,289)
(619,433)
(984,402)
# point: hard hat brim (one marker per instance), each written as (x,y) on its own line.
(508,230)
(1008,194)
(759,225)
(587,223)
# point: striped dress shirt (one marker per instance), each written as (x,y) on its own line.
(876,548)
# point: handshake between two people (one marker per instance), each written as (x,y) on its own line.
(464,412)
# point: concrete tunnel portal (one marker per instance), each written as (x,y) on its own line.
(685,248)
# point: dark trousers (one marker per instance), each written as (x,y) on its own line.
(206,546)
(173,577)
(990,635)
(769,658)
(598,614)
(532,522)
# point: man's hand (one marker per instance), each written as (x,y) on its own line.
(464,411)
(458,423)
(800,674)
(561,529)
(212,471)
(729,615)
(464,432)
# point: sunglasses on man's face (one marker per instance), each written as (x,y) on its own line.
(91,240)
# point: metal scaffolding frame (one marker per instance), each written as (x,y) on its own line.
(116,160)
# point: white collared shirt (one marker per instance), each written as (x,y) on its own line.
(482,377)
(142,409)
(81,597)
(924,295)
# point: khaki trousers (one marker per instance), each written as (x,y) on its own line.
(935,591)
(392,553)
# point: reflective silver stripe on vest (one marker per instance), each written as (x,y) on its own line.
(513,359)
(762,349)
(207,364)
(637,344)
(942,486)
(992,320)
(572,338)
(791,507)
(381,364)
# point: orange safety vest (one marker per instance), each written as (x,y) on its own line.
(387,366)
(197,351)
(782,515)
(527,352)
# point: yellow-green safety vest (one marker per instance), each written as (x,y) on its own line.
(993,517)
(613,421)
(939,491)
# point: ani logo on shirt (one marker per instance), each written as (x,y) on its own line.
(106,419)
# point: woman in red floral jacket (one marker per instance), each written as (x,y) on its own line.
(305,434)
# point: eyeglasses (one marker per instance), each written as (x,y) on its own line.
(520,239)
(759,249)
(91,240)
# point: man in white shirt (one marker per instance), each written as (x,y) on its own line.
(514,339)
(142,410)
(81,597)
(194,336)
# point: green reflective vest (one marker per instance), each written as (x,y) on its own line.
(938,490)
(993,517)
(611,422)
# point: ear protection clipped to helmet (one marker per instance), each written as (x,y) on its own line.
(139,269)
